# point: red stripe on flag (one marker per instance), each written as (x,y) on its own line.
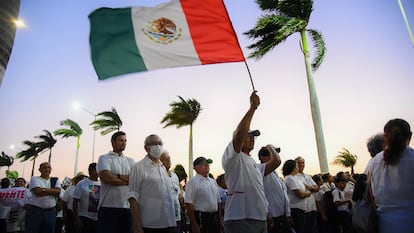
(213,35)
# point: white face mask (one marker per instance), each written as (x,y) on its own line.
(156,151)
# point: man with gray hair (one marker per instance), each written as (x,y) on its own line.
(150,196)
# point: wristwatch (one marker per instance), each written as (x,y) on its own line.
(43,190)
(119,176)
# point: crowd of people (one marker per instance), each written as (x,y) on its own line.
(122,195)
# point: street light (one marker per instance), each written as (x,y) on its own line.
(77,105)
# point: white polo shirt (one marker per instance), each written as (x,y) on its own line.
(202,192)
(114,196)
(245,197)
(310,201)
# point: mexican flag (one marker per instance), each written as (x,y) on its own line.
(172,34)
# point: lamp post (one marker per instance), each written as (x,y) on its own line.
(76,105)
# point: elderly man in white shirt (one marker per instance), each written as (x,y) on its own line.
(202,199)
(150,196)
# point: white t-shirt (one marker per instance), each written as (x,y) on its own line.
(68,197)
(245,196)
(202,193)
(310,201)
(150,186)
(45,201)
(393,189)
(87,191)
(294,183)
(114,196)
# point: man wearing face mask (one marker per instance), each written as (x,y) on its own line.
(150,196)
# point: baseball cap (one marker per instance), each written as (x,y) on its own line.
(201,160)
(255,132)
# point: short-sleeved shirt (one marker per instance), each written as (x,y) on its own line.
(310,201)
(202,192)
(276,195)
(68,197)
(111,195)
(339,195)
(294,183)
(45,201)
(87,191)
(245,195)
(393,189)
(150,186)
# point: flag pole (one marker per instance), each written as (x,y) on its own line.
(250,75)
(406,22)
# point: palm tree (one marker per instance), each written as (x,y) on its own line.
(73,130)
(183,113)
(47,143)
(346,159)
(6,160)
(30,153)
(180,171)
(282,19)
(109,122)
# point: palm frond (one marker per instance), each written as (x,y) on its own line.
(345,158)
(183,112)
(300,9)
(319,45)
(270,31)
(110,121)
(73,131)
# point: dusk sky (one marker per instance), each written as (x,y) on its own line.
(365,80)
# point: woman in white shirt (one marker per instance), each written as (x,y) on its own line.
(392,181)
(297,193)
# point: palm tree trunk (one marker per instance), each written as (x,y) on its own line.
(33,166)
(50,155)
(76,156)
(190,153)
(316,115)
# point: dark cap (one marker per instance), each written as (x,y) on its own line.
(264,152)
(201,160)
(255,132)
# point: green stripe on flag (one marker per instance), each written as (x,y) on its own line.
(112,40)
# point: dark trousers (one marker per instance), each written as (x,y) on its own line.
(69,222)
(310,224)
(159,230)
(112,220)
(88,225)
(345,221)
(208,222)
(280,225)
(299,219)
(40,220)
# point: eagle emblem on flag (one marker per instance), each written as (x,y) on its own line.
(162,30)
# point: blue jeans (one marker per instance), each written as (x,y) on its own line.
(40,221)
(112,220)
